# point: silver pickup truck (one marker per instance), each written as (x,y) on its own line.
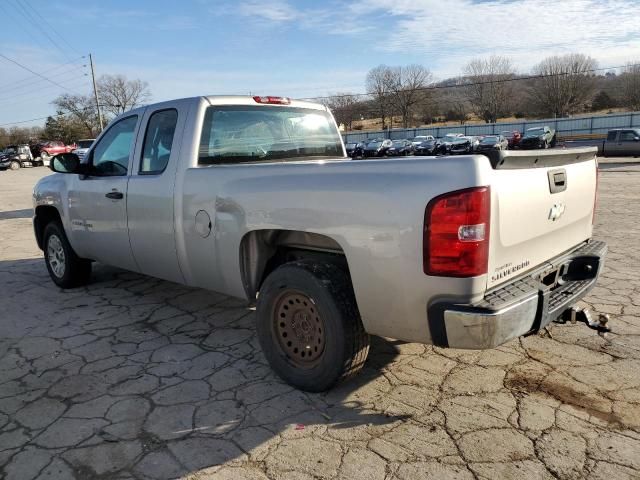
(255,198)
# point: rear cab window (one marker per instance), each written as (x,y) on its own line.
(251,134)
(627,136)
(158,142)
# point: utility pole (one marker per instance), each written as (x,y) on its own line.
(95,92)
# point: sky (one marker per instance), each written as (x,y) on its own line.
(283,47)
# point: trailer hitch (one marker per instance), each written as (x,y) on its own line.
(575,314)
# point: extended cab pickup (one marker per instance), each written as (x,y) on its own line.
(255,198)
(621,142)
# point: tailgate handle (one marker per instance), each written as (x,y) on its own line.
(557,180)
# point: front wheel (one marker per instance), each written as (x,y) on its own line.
(309,326)
(66,269)
(15,165)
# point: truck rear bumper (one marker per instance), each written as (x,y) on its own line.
(523,305)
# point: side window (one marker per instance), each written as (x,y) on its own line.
(627,136)
(158,141)
(611,136)
(111,154)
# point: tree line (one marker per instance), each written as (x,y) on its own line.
(77,115)
(489,89)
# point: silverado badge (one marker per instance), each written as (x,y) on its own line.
(556,211)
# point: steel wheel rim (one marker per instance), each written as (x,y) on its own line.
(14,166)
(299,328)
(55,256)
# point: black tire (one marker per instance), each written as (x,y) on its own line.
(15,165)
(76,271)
(554,141)
(332,306)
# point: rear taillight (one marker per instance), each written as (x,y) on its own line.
(456,233)
(272,100)
(595,197)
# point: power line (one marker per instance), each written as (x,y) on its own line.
(52,69)
(35,10)
(25,121)
(31,96)
(30,83)
(33,22)
(486,82)
(31,71)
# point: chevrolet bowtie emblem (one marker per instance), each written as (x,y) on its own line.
(556,211)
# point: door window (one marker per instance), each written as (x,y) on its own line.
(158,141)
(111,153)
(611,136)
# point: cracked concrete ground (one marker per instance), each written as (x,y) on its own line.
(134,377)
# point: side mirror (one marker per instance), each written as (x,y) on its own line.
(65,163)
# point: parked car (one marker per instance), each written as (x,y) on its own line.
(493,142)
(513,137)
(49,149)
(322,246)
(376,148)
(421,138)
(460,145)
(16,156)
(82,146)
(428,147)
(538,137)
(350,148)
(445,143)
(400,148)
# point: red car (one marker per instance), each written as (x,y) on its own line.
(49,149)
(512,137)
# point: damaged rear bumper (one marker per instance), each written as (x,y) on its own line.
(526,304)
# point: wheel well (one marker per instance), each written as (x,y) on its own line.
(44,215)
(262,251)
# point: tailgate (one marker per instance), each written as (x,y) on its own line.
(542,206)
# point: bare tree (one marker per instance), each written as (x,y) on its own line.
(408,88)
(119,94)
(82,109)
(630,86)
(489,91)
(455,102)
(379,85)
(344,106)
(566,83)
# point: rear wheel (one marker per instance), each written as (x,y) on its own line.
(14,165)
(66,269)
(309,327)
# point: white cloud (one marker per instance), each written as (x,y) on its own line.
(445,35)
(450,33)
(273,10)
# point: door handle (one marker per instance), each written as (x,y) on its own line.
(115,195)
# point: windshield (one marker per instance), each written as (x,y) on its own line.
(241,134)
(490,140)
(507,134)
(398,143)
(375,144)
(84,143)
(535,131)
